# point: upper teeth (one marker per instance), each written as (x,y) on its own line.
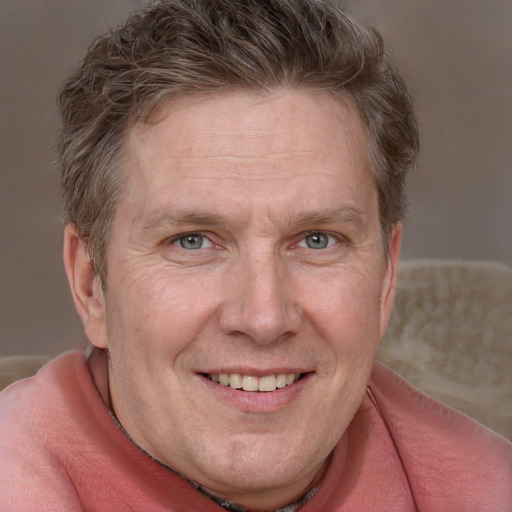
(251,383)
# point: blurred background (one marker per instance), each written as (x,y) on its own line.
(456,56)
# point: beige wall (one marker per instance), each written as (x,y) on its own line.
(456,54)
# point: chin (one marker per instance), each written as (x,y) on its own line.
(262,465)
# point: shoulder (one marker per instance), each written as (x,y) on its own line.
(448,457)
(62,374)
(36,415)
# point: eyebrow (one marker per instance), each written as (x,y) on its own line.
(183,216)
(341,215)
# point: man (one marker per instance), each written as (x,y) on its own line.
(233,178)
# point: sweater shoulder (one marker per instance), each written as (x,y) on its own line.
(446,454)
(32,416)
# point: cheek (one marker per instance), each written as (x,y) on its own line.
(345,308)
(346,318)
(155,312)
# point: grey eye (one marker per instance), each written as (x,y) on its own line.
(317,240)
(191,241)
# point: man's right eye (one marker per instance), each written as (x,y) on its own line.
(192,241)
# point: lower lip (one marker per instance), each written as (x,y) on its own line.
(258,401)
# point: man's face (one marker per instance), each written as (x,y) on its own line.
(246,248)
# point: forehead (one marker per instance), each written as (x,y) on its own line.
(257,143)
(249,124)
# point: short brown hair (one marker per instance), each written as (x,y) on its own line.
(183,47)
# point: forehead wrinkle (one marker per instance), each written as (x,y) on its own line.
(250,158)
(263,171)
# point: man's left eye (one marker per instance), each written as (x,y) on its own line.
(193,241)
(317,240)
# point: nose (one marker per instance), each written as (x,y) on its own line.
(261,303)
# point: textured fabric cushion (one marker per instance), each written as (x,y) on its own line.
(450,335)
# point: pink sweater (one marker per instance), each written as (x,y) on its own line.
(61,451)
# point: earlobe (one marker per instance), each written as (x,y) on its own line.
(85,286)
(390,276)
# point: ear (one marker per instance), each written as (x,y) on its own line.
(390,276)
(85,287)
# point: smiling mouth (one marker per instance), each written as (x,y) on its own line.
(252,383)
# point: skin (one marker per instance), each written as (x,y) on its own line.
(258,177)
